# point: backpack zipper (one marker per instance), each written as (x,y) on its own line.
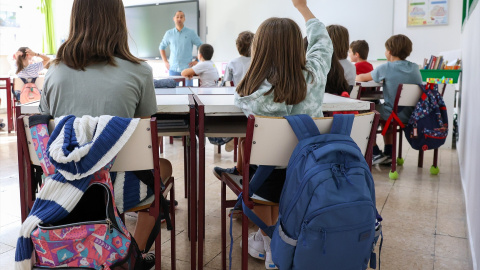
(107,220)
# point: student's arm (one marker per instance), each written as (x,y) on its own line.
(44,57)
(302,7)
(320,48)
(364,77)
(188,73)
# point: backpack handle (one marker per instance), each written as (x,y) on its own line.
(303,126)
(342,124)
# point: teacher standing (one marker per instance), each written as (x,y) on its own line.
(181,40)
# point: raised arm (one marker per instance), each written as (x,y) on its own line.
(45,58)
(302,7)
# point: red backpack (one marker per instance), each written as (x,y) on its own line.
(30,92)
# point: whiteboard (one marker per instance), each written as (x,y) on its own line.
(371,20)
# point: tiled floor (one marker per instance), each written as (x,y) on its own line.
(424,215)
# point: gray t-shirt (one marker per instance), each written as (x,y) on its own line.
(208,73)
(393,74)
(124,90)
(350,71)
(236,69)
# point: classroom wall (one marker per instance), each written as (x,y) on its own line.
(428,40)
(469,142)
(371,20)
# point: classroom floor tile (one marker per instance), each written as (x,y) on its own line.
(424,215)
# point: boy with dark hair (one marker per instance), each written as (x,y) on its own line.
(358,54)
(206,69)
(396,71)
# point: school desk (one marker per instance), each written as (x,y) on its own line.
(219,117)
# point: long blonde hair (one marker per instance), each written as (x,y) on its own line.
(98,33)
(278,57)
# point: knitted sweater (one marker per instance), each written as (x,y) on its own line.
(78,147)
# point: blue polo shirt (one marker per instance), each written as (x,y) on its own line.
(181,46)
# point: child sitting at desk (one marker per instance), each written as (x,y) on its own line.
(26,68)
(266,90)
(205,68)
(339,36)
(358,54)
(396,71)
(237,68)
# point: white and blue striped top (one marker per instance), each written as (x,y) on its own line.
(31,71)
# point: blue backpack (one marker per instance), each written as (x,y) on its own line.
(328,218)
(427,127)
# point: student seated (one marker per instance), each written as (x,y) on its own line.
(282,80)
(339,36)
(26,68)
(105,79)
(396,71)
(237,68)
(358,54)
(205,68)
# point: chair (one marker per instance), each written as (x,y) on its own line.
(262,148)
(407,95)
(139,153)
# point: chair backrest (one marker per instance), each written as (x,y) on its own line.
(355,91)
(408,95)
(18,84)
(274,140)
(136,154)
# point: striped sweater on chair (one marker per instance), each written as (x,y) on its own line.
(78,147)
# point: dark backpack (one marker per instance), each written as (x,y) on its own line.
(427,127)
(327,214)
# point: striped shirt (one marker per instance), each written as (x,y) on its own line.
(31,71)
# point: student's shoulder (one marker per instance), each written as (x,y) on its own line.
(141,68)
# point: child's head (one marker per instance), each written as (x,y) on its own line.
(244,43)
(205,52)
(358,51)
(22,60)
(278,56)
(96,36)
(340,40)
(398,46)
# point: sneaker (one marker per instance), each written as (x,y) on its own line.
(377,159)
(229,146)
(176,203)
(148,261)
(268,253)
(256,246)
(387,161)
(218,171)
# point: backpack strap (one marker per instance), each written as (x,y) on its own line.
(33,80)
(342,124)
(24,80)
(393,116)
(303,126)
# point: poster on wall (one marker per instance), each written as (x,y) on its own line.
(427,12)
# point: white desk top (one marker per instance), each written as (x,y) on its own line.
(213,90)
(370,84)
(224,104)
(173,104)
(173,91)
(30,108)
